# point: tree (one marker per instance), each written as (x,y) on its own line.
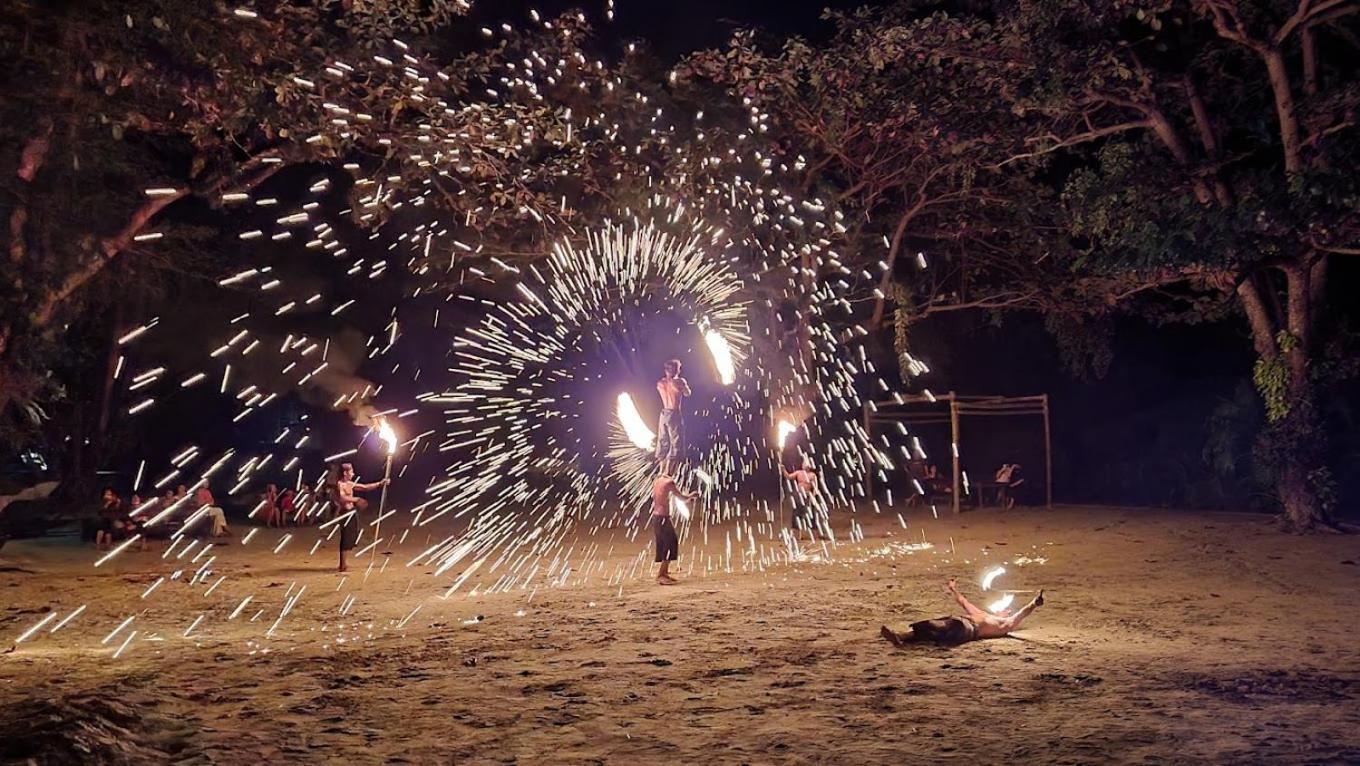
(1203,154)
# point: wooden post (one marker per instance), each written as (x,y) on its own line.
(1048,456)
(868,459)
(954,448)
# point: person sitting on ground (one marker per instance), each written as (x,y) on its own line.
(974,624)
(165,528)
(111,519)
(135,523)
(204,498)
(287,508)
(269,512)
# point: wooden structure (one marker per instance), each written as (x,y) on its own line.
(928,409)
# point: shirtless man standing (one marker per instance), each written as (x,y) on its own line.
(974,624)
(805,483)
(348,503)
(667,542)
(670,432)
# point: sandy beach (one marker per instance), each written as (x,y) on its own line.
(1167,638)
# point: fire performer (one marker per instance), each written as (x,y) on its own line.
(670,431)
(805,484)
(354,506)
(974,624)
(667,541)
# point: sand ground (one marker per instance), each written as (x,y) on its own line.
(1167,638)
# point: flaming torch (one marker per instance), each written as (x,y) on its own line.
(389,440)
(783,430)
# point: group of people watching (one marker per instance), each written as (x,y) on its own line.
(119,519)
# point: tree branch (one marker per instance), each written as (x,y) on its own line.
(1080,138)
(1258,316)
(110,247)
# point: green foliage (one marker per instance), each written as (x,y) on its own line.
(1271,376)
(1084,343)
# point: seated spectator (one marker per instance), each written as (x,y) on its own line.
(287,508)
(204,498)
(269,511)
(111,519)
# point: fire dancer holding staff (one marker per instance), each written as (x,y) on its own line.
(348,503)
(667,541)
(670,431)
(974,624)
(805,483)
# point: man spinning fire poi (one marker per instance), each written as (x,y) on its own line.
(667,541)
(670,431)
(348,503)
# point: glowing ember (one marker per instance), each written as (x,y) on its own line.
(638,432)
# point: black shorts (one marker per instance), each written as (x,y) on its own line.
(946,630)
(667,542)
(349,532)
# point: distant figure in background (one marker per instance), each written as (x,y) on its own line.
(663,530)
(974,624)
(805,491)
(348,503)
(206,502)
(287,508)
(112,519)
(670,430)
(136,522)
(270,509)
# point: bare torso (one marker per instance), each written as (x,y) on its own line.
(673,391)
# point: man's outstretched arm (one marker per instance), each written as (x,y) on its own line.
(968,607)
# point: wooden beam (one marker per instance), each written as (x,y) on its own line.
(954,450)
(1048,456)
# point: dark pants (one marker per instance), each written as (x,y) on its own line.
(667,542)
(349,528)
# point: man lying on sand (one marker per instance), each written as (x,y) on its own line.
(974,624)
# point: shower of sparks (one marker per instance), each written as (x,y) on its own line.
(720,260)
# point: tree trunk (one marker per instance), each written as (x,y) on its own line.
(1302,509)
(1293,443)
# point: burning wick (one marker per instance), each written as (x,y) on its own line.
(785,428)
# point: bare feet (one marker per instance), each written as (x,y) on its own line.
(887,633)
(342,568)
(667,580)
